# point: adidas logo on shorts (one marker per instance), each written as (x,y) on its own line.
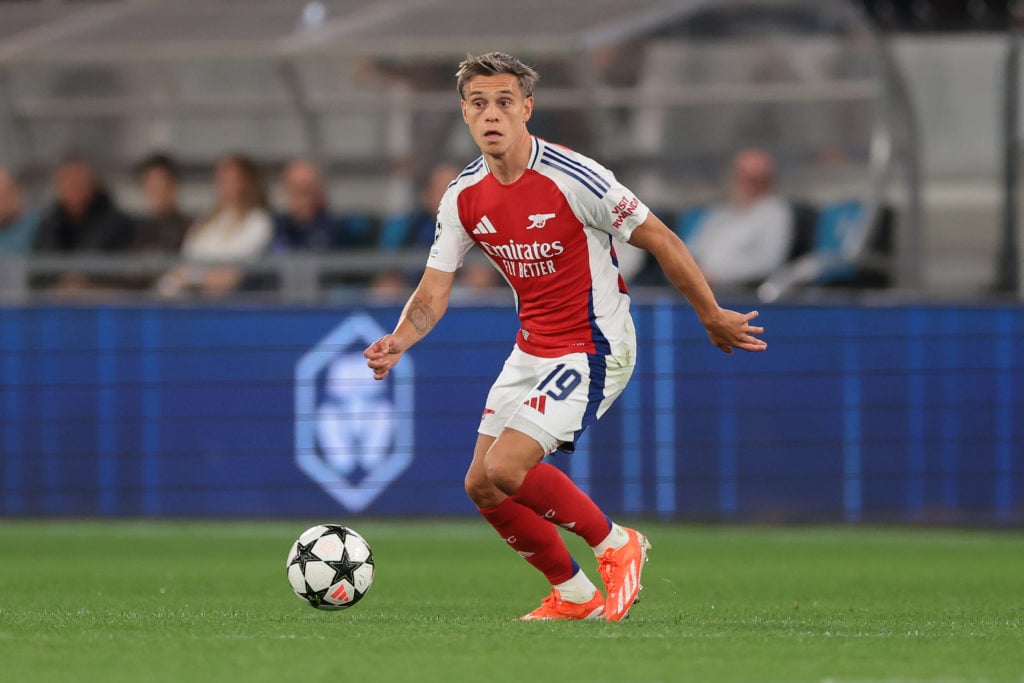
(538,403)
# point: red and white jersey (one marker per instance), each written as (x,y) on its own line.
(549,234)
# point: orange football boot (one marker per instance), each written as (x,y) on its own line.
(554,607)
(620,568)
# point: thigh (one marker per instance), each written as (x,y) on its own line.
(518,376)
(544,398)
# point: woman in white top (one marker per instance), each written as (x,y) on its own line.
(238,230)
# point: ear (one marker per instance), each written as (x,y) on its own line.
(527,109)
(465,117)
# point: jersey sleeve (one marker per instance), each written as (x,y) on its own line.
(605,203)
(451,242)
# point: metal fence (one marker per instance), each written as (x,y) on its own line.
(661,91)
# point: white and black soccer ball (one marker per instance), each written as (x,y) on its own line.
(330,567)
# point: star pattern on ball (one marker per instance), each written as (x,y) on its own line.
(338,531)
(315,598)
(344,568)
(304,554)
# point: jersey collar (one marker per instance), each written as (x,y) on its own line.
(535,152)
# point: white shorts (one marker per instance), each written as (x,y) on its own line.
(553,400)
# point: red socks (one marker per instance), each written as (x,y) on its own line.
(548,492)
(537,541)
(527,521)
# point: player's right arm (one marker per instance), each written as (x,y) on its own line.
(424,308)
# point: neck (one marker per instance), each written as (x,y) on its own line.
(508,167)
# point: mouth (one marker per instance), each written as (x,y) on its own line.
(492,135)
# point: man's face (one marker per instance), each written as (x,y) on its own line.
(496,112)
(303,191)
(752,173)
(76,187)
(160,189)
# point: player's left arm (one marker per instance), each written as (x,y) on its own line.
(727,329)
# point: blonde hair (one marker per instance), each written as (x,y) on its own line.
(494,63)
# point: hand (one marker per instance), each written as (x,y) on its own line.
(730,329)
(382,355)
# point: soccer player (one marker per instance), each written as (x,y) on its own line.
(546,217)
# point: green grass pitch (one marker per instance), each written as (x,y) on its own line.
(203,601)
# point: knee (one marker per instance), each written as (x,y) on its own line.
(481,491)
(503,474)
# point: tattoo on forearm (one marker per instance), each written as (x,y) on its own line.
(420,316)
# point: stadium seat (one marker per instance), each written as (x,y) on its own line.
(836,225)
(805,219)
(838,228)
(358,230)
(394,232)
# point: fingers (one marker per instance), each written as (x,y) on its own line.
(378,348)
(751,329)
(381,356)
(380,368)
(752,346)
(747,340)
(738,333)
(749,343)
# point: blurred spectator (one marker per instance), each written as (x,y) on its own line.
(478,276)
(84,216)
(747,239)
(162,228)
(478,282)
(239,229)
(417,228)
(17,223)
(306,222)
(388,287)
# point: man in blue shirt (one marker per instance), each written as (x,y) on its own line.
(307,224)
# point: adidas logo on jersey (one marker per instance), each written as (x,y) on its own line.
(539,220)
(484,227)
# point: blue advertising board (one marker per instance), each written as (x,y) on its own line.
(902,413)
